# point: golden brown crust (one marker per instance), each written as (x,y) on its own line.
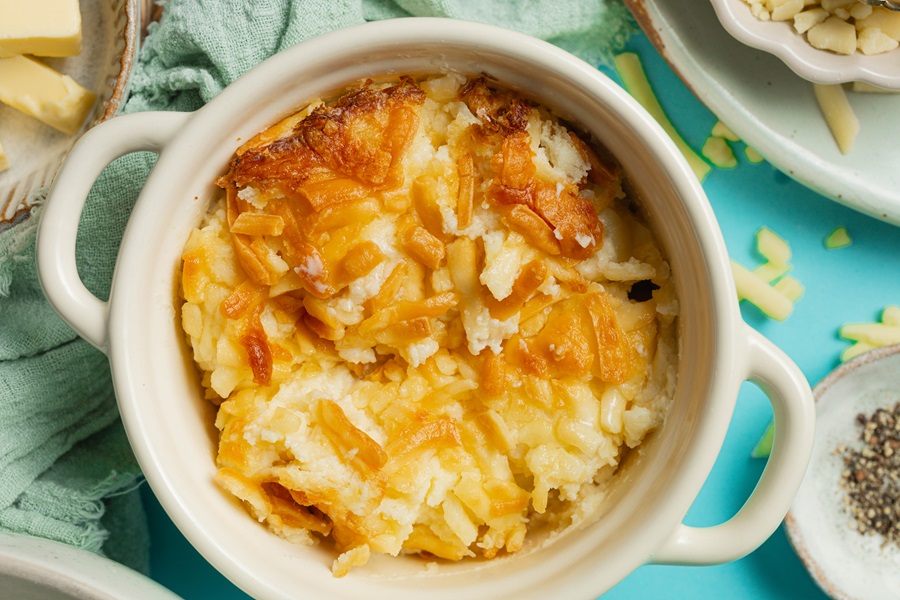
(501,112)
(361,137)
(504,117)
(337,155)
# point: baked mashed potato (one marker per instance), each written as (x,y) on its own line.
(412,307)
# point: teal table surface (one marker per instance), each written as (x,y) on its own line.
(852,284)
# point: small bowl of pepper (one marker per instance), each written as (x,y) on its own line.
(844,523)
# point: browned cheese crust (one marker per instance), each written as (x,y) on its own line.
(416,340)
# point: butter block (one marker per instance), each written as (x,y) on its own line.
(4,160)
(37,90)
(40,27)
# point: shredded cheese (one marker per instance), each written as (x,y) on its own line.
(770,271)
(636,83)
(868,88)
(721,130)
(791,288)
(875,334)
(764,446)
(753,156)
(768,286)
(770,301)
(838,114)
(868,336)
(719,153)
(772,246)
(839,238)
(839,26)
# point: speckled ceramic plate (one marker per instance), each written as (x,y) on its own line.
(845,564)
(110,37)
(775,111)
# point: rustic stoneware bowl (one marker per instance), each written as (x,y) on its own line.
(171,427)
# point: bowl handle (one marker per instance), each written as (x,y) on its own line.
(792,402)
(78,307)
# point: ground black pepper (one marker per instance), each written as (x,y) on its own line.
(871,476)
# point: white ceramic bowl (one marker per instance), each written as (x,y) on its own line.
(819,66)
(171,427)
(845,564)
(37,569)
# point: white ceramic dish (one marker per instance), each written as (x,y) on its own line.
(109,40)
(37,569)
(819,66)
(845,564)
(171,427)
(775,111)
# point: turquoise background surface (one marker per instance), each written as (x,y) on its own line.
(847,285)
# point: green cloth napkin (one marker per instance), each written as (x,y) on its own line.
(66,470)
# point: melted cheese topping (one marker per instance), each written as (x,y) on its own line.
(412,305)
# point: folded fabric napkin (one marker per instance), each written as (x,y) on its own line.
(66,470)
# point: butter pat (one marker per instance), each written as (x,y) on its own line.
(4,161)
(37,90)
(41,27)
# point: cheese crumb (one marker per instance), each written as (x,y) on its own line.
(753,156)
(723,131)
(839,26)
(839,238)
(719,153)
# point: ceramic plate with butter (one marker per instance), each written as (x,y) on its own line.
(846,564)
(34,149)
(775,111)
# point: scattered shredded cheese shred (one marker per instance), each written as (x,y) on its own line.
(838,114)
(636,83)
(768,286)
(839,238)
(868,336)
(717,151)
